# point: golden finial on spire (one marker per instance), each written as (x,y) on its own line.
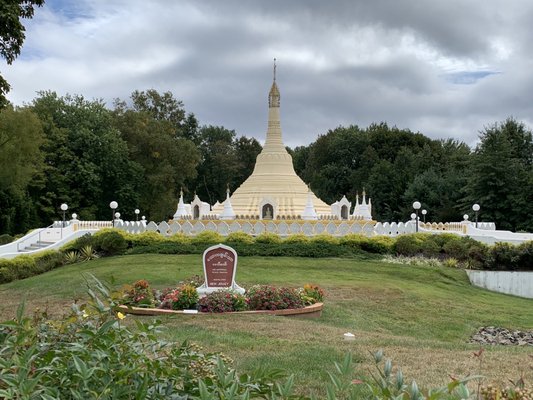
(274,70)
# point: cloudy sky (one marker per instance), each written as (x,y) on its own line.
(443,68)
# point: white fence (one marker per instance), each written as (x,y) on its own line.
(335,228)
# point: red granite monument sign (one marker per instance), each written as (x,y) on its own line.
(220,267)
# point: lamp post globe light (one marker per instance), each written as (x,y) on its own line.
(424,212)
(113,205)
(137,212)
(476,208)
(416,206)
(64,208)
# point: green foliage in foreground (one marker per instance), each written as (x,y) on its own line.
(92,354)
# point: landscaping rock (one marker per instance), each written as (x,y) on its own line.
(490,335)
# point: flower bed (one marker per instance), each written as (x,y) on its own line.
(140,299)
(312,311)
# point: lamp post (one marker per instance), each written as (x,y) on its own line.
(424,212)
(64,208)
(416,206)
(476,208)
(113,205)
(137,212)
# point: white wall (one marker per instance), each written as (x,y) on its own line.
(518,283)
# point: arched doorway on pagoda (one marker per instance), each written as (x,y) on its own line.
(196,212)
(344,212)
(267,211)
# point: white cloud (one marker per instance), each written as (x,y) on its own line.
(446,69)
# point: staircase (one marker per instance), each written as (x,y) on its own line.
(41,244)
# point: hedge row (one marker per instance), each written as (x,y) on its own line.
(107,242)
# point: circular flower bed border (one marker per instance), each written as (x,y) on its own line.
(312,311)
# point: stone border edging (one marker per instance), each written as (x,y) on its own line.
(312,311)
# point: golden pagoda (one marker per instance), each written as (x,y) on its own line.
(273,190)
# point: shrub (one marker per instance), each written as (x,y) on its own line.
(5,239)
(353,240)
(223,301)
(311,294)
(77,244)
(24,266)
(268,238)
(378,244)
(207,238)
(503,256)
(147,238)
(7,274)
(180,298)
(525,256)
(110,242)
(239,237)
(179,238)
(450,263)
(430,246)
(71,257)
(297,238)
(139,294)
(87,253)
(48,260)
(263,297)
(90,353)
(325,238)
(409,245)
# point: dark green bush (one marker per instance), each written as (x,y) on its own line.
(378,245)
(110,242)
(7,274)
(525,256)
(409,245)
(503,256)
(79,243)
(5,239)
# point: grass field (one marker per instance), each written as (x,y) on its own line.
(422,317)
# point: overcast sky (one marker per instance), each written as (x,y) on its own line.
(443,68)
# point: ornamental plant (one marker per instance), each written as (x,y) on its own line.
(139,295)
(223,301)
(265,297)
(311,294)
(180,298)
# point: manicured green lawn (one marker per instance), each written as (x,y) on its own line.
(422,317)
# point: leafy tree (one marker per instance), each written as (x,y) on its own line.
(501,171)
(21,135)
(226,160)
(87,161)
(166,109)
(12,34)
(167,160)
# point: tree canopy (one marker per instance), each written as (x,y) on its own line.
(12,34)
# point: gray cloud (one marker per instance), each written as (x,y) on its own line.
(445,69)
